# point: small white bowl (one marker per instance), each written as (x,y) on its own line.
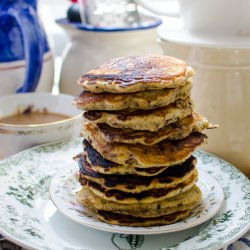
(14,138)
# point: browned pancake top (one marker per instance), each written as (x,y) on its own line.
(164,153)
(125,218)
(124,114)
(96,159)
(154,193)
(173,131)
(130,133)
(129,70)
(130,181)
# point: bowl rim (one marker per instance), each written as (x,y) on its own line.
(156,21)
(42,125)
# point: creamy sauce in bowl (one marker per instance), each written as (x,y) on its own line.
(33,117)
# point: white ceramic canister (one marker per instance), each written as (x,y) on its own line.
(92,46)
(221,92)
(221,17)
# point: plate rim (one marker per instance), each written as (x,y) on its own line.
(115,228)
(222,244)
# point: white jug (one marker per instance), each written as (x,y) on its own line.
(221,17)
(91,46)
(221,92)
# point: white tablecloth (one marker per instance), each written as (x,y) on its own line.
(242,243)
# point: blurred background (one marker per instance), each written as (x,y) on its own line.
(211,38)
(65,41)
(49,11)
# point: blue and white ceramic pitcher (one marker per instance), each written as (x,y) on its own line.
(26,62)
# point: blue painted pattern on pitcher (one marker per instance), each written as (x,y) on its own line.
(22,38)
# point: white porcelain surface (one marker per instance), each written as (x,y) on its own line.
(221,92)
(89,49)
(221,17)
(14,138)
(183,36)
(12,75)
(64,185)
(29,218)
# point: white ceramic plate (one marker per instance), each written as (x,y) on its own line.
(29,218)
(64,186)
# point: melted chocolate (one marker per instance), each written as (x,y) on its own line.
(133,69)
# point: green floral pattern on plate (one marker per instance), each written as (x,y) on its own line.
(28,217)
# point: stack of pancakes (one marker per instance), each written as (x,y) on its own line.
(137,168)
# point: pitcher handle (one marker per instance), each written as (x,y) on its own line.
(32,37)
(171,9)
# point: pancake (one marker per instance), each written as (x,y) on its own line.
(151,120)
(148,196)
(138,100)
(164,153)
(136,73)
(101,165)
(136,184)
(173,131)
(132,221)
(180,202)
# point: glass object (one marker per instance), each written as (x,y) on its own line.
(109,13)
